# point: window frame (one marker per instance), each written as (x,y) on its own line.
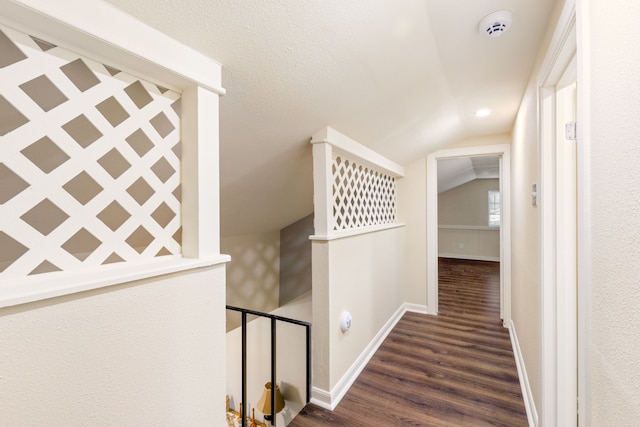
(491,208)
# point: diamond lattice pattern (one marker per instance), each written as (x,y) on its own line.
(362,196)
(89,162)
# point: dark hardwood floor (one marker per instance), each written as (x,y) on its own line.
(454,369)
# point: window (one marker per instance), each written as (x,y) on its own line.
(494,208)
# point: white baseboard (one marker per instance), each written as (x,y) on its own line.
(321,398)
(529,403)
(470,257)
(329,400)
(415,308)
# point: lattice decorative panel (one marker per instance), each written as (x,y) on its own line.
(362,197)
(89,162)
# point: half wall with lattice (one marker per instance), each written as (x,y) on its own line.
(355,188)
(362,195)
(89,162)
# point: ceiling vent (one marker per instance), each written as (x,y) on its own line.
(496,23)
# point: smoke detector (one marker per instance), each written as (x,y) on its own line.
(496,23)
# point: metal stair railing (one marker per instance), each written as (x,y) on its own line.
(274,320)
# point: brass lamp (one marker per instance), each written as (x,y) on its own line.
(264,404)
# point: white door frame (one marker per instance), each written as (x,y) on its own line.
(558,227)
(499,150)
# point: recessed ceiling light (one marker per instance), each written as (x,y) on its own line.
(484,112)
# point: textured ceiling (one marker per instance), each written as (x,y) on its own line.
(460,170)
(403,77)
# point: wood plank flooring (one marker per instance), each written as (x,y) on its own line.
(454,369)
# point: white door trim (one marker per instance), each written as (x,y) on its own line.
(583,42)
(558,228)
(504,152)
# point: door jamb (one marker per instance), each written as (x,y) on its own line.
(499,150)
(558,312)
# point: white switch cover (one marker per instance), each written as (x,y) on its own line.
(570,131)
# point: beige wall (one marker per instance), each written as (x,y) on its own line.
(366,271)
(412,211)
(253,275)
(525,248)
(526,291)
(461,243)
(467,204)
(463,217)
(145,354)
(612,89)
(608,298)
(359,274)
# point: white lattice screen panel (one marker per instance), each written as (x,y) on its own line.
(89,162)
(362,197)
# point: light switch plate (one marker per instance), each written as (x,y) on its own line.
(570,131)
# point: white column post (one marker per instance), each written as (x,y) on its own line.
(322,189)
(432,234)
(200,177)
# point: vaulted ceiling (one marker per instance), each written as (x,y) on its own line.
(403,77)
(460,170)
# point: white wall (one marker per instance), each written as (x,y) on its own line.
(362,274)
(482,140)
(147,353)
(611,90)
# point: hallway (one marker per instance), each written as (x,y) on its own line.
(456,369)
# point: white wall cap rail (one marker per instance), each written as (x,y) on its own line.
(342,144)
(468,227)
(34,288)
(94,29)
(342,234)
